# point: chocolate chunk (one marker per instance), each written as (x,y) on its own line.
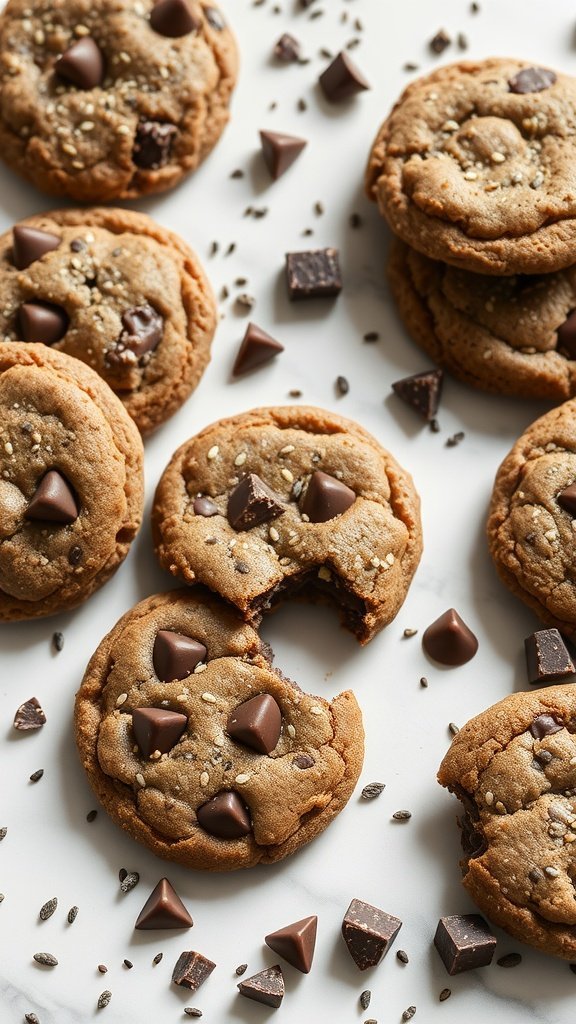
(257,348)
(567,499)
(173,18)
(280,151)
(532,80)
(143,330)
(342,79)
(82,64)
(29,716)
(75,555)
(214,18)
(422,392)
(295,943)
(191,970)
(287,49)
(42,321)
(153,144)
(303,761)
(368,933)
(53,500)
(157,729)
(545,725)
(265,987)
(256,723)
(204,507)
(29,244)
(440,42)
(464,941)
(547,657)
(225,816)
(313,274)
(566,335)
(163,909)
(326,497)
(175,656)
(449,641)
(252,503)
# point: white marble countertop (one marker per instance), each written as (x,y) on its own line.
(411,869)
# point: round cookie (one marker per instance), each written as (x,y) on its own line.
(291,499)
(114,289)
(531,523)
(475,166)
(112,99)
(200,749)
(514,768)
(508,335)
(71,482)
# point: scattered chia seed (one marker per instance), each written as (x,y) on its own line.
(372,790)
(409,1013)
(307,232)
(122,874)
(342,386)
(402,815)
(318,209)
(130,881)
(3,832)
(31,1018)
(192,1011)
(423,682)
(224,293)
(241,969)
(323,52)
(365,998)
(510,960)
(453,728)
(455,439)
(474,8)
(295,393)
(409,66)
(128,964)
(410,632)
(238,173)
(103,999)
(48,909)
(318,13)
(58,641)
(302,105)
(214,248)
(46,959)
(102,968)
(438,44)
(231,248)
(445,994)
(91,815)
(1,897)
(462,41)
(355,220)
(72,915)
(434,426)
(37,775)
(402,956)
(241,282)
(371,336)
(157,958)
(245,301)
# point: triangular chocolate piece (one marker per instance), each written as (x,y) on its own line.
(29,244)
(449,641)
(29,716)
(173,18)
(256,723)
(157,729)
(422,392)
(326,497)
(280,151)
(163,909)
(225,816)
(257,348)
(252,503)
(567,499)
(175,656)
(265,987)
(42,322)
(566,335)
(296,943)
(342,79)
(53,501)
(82,64)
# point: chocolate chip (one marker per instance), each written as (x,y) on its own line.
(143,331)
(42,322)
(265,987)
(53,500)
(163,909)
(257,348)
(280,151)
(545,725)
(531,80)
(225,816)
(566,335)
(547,657)
(29,716)
(175,656)
(29,244)
(449,641)
(153,144)
(342,79)
(326,497)
(214,19)
(567,499)
(191,970)
(313,274)
(204,507)
(82,64)
(295,943)
(368,933)
(464,942)
(256,723)
(440,41)
(157,729)
(303,761)
(421,391)
(75,555)
(173,18)
(252,503)
(287,49)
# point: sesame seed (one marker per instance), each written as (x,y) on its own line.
(291,731)
(243,777)
(500,807)
(204,779)
(390,558)
(240,459)
(470,176)
(315,710)
(288,476)
(489,798)
(274,535)
(200,668)
(212,452)
(450,126)
(140,779)
(324,573)
(8,448)
(552,872)
(287,449)
(87,126)
(121,699)
(209,698)
(123,129)
(497,157)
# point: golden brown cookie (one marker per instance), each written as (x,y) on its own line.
(200,749)
(112,99)
(289,500)
(114,289)
(71,482)
(474,166)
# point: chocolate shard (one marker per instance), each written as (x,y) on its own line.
(567,499)
(214,18)
(257,348)
(256,723)
(342,79)
(547,657)
(153,144)
(175,656)
(287,49)
(173,18)
(163,909)
(29,716)
(368,933)
(422,392)
(296,942)
(265,987)
(280,151)
(29,244)
(205,507)
(53,500)
(42,322)
(545,725)
(313,274)
(326,497)
(82,64)
(449,641)
(225,816)
(191,970)
(143,330)
(566,335)
(157,729)
(531,80)
(252,503)
(464,941)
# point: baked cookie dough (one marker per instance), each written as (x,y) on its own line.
(514,768)
(114,289)
(532,518)
(507,335)
(475,167)
(112,99)
(200,749)
(71,483)
(291,499)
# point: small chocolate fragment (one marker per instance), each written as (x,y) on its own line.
(256,723)
(342,79)
(421,391)
(313,274)
(157,729)
(303,761)
(75,555)
(143,330)
(29,244)
(214,19)
(280,151)
(252,503)
(163,909)
(545,725)
(296,942)
(175,656)
(547,657)
(82,64)
(153,144)
(265,987)
(464,941)
(53,500)
(368,933)
(42,322)
(567,499)
(173,18)
(257,348)
(509,960)
(326,497)
(531,80)
(191,970)
(204,507)
(440,41)
(287,49)
(29,716)
(449,641)
(225,816)
(566,335)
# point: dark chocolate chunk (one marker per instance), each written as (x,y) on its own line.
(464,941)
(82,64)
(153,144)
(422,392)
(204,507)
(547,657)
(53,500)
(214,18)
(342,79)
(157,729)
(287,49)
(75,555)
(42,322)
(29,244)
(567,499)
(440,41)
(566,335)
(265,987)
(225,816)
(257,348)
(29,716)
(532,80)
(163,909)
(252,503)
(280,151)
(326,497)
(303,761)
(449,641)
(175,656)
(173,18)
(256,723)
(368,933)
(143,330)
(313,274)
(191,970)
(295,943)
(545,725)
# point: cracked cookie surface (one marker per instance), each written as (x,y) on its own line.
(286,796)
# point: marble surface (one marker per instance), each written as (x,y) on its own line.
(409,869)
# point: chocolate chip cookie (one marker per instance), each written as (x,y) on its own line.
(514,769)
(71,484)
(200,749)
(114,289)
(532,519)
(283,500)
(507,335)
(474,166)
(109,99)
